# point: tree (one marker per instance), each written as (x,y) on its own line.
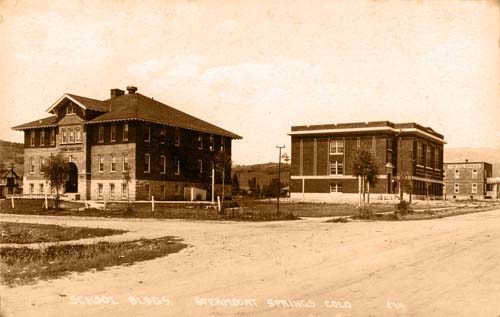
(56,173)
(252,185)
(273,188)
(364,166)
(222,161)
(236,184)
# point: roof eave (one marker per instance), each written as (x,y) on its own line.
(228,134)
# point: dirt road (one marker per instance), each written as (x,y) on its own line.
(442,267)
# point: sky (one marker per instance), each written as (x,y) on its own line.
(258,67)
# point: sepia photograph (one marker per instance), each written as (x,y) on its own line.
(250,158)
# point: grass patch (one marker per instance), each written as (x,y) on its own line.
(25,265)
(264,212)
(14,232)
(430,213)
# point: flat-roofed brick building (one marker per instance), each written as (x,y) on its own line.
(322,160)
(467,180)
(162,150)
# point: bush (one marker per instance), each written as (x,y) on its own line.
(403,208)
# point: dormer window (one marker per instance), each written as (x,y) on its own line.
(71,109)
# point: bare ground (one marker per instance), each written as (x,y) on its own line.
(440,267)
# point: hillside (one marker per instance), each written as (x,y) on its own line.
(263,173)
(12,153)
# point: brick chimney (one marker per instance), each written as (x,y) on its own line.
(131,89)
(116,93)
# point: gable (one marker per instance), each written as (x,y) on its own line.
(69,112)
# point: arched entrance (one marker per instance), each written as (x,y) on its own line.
(72,182)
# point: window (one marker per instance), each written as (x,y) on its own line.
(437,160)
(177,189)
(420,154)
(64,136)
(177,137)
(212,168)
(222,144)
(113,163)
(163,164)
(147,161)
(42,164)
(101,134)
(42,137)
(147,137)
(456,188)
(428,156)
(177,166)
(474,188)
(71,109)
(358,142)
(32,165)
(113,132)
(32,138)
(211,142)
(200,142)
(71,136)
(474,174)
(40,188)
(111,191)
(336,188)
(101,163)
(457,173)
(52,136)
(163,135)
(124,191)
(78,135)
(200,166)
(32,189)
(336,146)
(99,190)
(125,132)
(336,168)
(125,162)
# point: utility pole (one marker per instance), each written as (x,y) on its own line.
(279,180)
